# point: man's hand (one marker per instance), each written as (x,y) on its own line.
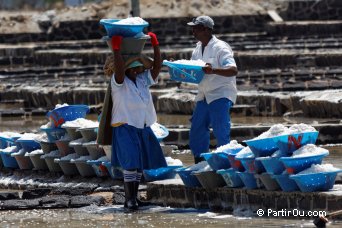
(116,42)
(154,40)
(208,68)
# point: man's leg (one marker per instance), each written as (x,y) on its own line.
(199,132)
(220,120)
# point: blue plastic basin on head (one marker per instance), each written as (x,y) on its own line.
(160,173)
(291,142)
(231,178)
(262,147)
(185,73)
(313,182)
(217,160)
(67,113)
(272,165)
(29,145)
(114,173)
(54,134)
(188,179)
(285,183)
(295,165)
(251,165)
(121,30)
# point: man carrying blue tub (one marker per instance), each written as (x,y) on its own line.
(216,92)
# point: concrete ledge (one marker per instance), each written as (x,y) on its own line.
(175,194)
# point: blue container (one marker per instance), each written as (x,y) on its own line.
(54,134)
(251,165)
(295,165)
(3,143)
(160,173)
(165,132)
(285,183)
(249,180)
(114,173)
(58,116)
(29,145)
(121,30)
(262,147)
(9,161)
(235,164)
(188,179)
(231,178)
(217,160)
(185,73)
(272,165)
(289,143)
(100,170)
(6,142)
(315,181)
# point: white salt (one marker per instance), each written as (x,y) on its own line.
(9,134)
(77,142)
(65,137)
(300,128)
(131,21)
(233,144)
(198,62)
(198,166)
(61,105)
(103,159)
(81,123)
(316,168)
(42,138)
(82,158)
(47,125)
(29,136)
(21,152)
(91,143)
(52,154)
(204,169)
(309,150)
(173,162)
(245,153)
(277,154)
(35,152)
(9,149)
(69,157)
(275,130)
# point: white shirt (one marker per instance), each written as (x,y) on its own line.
(212,87)
(132,103)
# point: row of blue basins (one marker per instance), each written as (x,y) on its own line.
(269,166)
(59,152)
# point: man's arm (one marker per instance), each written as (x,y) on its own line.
(225,72)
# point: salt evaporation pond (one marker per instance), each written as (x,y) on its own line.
(149,217)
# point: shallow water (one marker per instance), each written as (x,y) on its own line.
(148,217)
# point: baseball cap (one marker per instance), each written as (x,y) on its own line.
(206,21)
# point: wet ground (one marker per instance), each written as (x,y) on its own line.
(148,217)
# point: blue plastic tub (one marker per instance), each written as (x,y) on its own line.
(29,145)
(272,165)
(163,129)
(231,178)
(185,73)
(262,147)
(295,165)
(99,168)
(251,165)
(217,160)
(6,142)
(121,30)
(58,116)
(160,173)
(188,179)
(114,173)
(286,184)
(235,164)
(9,161)
(249,180)
(289,143)
(54,134)
(316,181)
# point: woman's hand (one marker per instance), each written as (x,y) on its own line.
(154,40)
(116,42)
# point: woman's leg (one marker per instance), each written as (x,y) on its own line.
(130,193)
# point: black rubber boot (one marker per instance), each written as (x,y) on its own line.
(198,159)
(139,202)
(130,197)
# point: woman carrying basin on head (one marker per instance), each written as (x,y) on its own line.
(134,145)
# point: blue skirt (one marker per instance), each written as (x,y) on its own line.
(134,148)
